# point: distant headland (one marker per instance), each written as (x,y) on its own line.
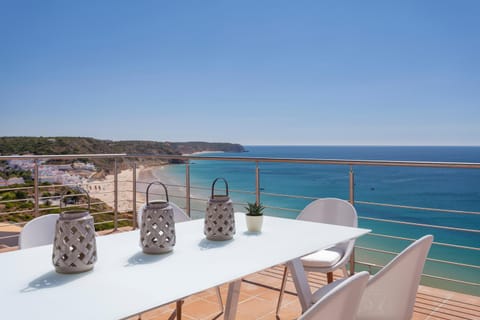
(88,145)
(85,145)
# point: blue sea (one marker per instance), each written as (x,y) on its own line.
(452,189)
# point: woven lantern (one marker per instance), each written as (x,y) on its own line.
(157,231)
(219,216)
(74,247)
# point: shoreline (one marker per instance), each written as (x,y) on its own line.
(175,188)
(201,152)
(103,189)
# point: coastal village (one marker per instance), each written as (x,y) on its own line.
(84,174)
(21,173)
(68,174)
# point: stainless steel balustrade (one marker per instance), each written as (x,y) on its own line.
(259,193)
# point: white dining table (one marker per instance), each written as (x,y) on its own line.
(126,282)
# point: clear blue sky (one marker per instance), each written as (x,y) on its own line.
(252,72)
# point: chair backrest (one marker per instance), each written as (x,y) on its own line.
(341,301)
(332,211)
(38,232)
(390,294)
(178,214)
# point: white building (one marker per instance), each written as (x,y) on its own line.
(15,180)
(9,182)
(83,166)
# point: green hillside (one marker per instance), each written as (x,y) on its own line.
(85,145)
(80,145)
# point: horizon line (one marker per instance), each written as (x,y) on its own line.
(357,145)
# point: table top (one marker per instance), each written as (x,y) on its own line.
(125,281)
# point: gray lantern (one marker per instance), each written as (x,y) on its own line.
(219,216)
(74,247)
(157,231)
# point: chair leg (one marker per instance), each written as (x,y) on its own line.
(345,272)
(282,290)
(329,277)
(352,262)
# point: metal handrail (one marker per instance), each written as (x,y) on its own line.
(430,164)
(428,259)
(410,239)
(64,156)
(379,266)
(376,163)
(378,204)
(17,188)
(420,224)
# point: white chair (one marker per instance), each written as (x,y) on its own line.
(390,294)
(338,300)
(38,232)
(180,216)
(332,211)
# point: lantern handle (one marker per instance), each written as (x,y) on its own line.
(157,182)
(82,192)
(213,186)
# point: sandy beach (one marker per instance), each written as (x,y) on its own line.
(104,189)
(175,188)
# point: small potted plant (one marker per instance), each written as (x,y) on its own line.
(254,216)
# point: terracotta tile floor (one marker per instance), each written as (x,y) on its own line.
(259,294)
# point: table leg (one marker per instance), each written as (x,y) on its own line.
(179,309)
(301,283)
(232,299)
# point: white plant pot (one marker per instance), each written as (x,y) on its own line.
(254,223)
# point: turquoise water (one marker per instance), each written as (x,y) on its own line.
(455,189)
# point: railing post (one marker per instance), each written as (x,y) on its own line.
(352,201)
(352,186)
(134,196)
(187,187)
(35,186)
(115,196)
(257,183)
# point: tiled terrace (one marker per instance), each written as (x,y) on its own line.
(259,294)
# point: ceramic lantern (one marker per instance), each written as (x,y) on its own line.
(157,231)
(74,246)
(219,216)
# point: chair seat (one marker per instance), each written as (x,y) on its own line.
(331,211)
(323,258)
